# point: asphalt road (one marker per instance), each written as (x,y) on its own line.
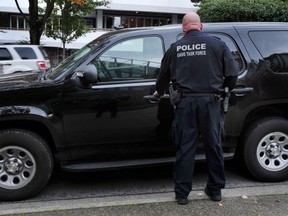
(149,191)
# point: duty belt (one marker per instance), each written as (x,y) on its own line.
(215,96)
(196,94)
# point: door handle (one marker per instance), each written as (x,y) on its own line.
(152,99)
(241,91)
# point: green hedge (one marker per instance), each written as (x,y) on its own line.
(244,10)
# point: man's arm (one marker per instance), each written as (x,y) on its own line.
(163,78)
(230,82)
(230,69)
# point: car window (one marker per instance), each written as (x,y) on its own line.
(232,47)
(26,52)
(273,46)
(43,52)
(132,59)
(234,50)
(5,54)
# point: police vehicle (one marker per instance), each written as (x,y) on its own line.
(93,111)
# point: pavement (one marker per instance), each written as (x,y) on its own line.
(260,201)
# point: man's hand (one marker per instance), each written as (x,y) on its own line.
(157,95)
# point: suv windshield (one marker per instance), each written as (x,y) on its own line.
(60,71)
(68,63)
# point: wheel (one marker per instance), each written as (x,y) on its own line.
(266,149)
(26,164)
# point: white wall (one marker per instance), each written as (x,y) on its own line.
(161,6)
(10,6)
(160,3)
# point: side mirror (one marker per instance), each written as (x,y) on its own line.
(87,75)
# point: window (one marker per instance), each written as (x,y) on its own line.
(5,54)
(17,22)
(133,59)
(273,46)
(133,21)
(148,22)
(234,50)
(3,20)
(21,23)
(26,52)
(89,23)
(14,22)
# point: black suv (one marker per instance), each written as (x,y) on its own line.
(92,111)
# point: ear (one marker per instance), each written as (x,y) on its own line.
(201,26)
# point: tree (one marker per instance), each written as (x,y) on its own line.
(67,19)
(244,10)
(37,18)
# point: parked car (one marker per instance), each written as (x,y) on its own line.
(93,111)
(20,57)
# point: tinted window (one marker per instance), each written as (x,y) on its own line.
(26,52)
(273,46)
(132,59)
(4,54)
(234,50)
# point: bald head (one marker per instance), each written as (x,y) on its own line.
(191,21)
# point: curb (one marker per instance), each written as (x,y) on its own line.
(32,207)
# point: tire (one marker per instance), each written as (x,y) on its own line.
(26,164)
(266,149)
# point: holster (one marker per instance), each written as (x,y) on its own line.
(175,95)
(226,99)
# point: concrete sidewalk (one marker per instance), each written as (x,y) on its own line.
(264,200)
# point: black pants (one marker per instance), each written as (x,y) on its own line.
(196,116)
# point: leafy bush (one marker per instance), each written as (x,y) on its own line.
(244,10)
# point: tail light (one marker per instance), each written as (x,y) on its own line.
(41,65)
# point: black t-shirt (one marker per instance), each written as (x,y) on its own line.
(197,63)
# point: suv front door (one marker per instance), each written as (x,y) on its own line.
(112,118)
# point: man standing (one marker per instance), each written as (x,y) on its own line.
(199,67)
